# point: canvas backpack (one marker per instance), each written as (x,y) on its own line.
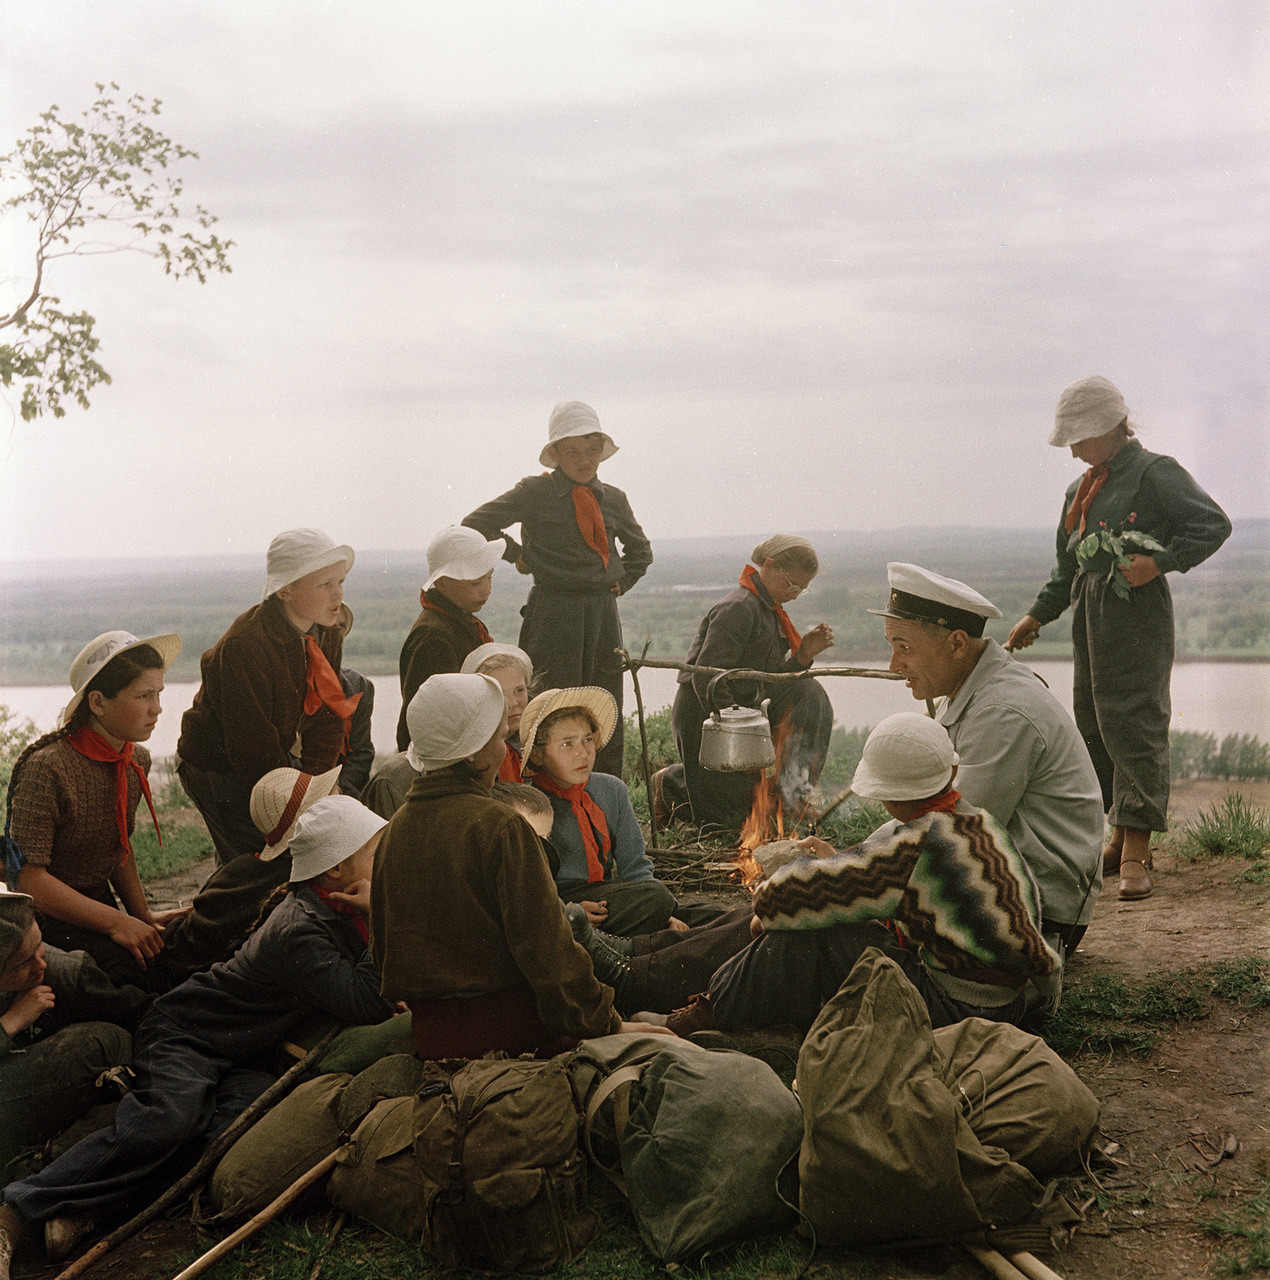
(695,1138)
(480,1167)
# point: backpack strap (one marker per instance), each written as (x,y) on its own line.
(617,1086)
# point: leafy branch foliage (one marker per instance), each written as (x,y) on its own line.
(111,170)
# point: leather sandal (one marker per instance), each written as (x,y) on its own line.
(1135,883)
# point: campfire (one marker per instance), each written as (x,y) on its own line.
(767,815)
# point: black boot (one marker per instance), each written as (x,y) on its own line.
(611,966)
(584,931)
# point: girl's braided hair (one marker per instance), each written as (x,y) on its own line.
(272,901)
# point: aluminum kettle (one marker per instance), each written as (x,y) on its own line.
(735,739)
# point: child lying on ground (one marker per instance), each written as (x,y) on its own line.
(603,865)
(196,1048)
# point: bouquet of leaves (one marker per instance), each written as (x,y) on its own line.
(1120,545)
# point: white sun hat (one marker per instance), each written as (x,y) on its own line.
(574,418)
(1089,408)
(461,553)
(450,718)
(599,702)
(299,552)
(907,757)
(493,649)
(327,832)
(280,797)
(94,656)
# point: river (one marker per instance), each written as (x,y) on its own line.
(1213,697)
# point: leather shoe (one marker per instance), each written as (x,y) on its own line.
(61,1235)
(696,1015)
(1135,883)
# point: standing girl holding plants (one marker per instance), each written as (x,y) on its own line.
(73,800)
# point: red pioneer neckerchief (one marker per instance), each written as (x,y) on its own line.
(591,822)
(791,634)
(89,743)
(348,911)
(322,687)
(944,803)
(486,638)
(509,770)
(586,507)
(1090,483)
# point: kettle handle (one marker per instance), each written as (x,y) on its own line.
(711,704)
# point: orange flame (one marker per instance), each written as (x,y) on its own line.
(767,819)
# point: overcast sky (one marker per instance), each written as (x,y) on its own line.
(816,265)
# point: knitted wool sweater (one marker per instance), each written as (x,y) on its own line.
(952,882)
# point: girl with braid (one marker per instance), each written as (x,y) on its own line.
(73,799)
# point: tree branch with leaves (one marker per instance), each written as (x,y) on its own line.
(112,173)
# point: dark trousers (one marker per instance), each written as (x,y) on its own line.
(670,967)
(183,1094)
(224,801)
(635,906)
(50,1083)
(570,637)
(1123,658)
(788,975)
(726,798)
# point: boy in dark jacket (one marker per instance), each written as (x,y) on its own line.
(570,527)
(197,1048)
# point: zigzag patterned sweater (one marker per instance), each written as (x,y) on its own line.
(951,882)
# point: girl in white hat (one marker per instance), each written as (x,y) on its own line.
(72,807)
(271,694)
(198,1048)
(460,576)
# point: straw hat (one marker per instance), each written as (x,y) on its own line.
(461,553)
(93,657)
(493,649)
(280,797)
(907,757)
(451,717)
(297,553)
(327,832)
(574,418)
(599,702)
(1089,408)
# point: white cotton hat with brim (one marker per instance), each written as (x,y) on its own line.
(297,553)
(907,757)
(574,418)
(599,702)
(451,717)
(1089,408)
(461,553)
(94,656)
(484,652)
(327,832)
(280,797)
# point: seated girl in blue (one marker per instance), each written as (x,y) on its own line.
(199,1048)
(603,866)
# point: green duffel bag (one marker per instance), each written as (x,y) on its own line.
(481,1168)
(283,1145)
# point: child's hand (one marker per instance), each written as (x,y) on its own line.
(616,588)
(521,566)
(28,1007)
(678,925)
(162,918)
(357,897)
(756,927)
(596,912)
(145,941)
(817,847)
(816,641)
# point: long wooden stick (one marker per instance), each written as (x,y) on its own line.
(215,1150)
(993,1261)
(267,1214)
(633,668)
(768,677)
(1033,1267)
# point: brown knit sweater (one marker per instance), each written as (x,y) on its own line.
(250,706)
(463,904)
(64,814)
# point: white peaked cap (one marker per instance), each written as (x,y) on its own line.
(451,717)
(907,757)
(297,553)
(574,418)
(921,596)
(330,830)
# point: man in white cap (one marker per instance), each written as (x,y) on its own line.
(941,890)
(1022,758)
(571,526)
(460,576)
(466,924)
